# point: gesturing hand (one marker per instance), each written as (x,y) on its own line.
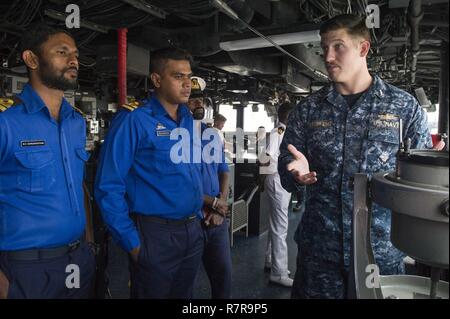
(299,167)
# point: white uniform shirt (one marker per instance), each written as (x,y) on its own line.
(273,149)
(221,135)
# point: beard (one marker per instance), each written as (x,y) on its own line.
(198,113)
(55,79)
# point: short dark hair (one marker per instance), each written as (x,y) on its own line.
(38,34)
(158,59)
(219,118)
(283,111)
(352,23)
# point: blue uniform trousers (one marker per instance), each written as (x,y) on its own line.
(47,278)
(217,260)
(168,261)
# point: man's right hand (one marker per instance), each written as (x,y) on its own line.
(135,253)
(299,167)
(222,207)
(213,219)
(4,286)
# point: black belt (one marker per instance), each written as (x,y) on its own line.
(45,253)
(166,221)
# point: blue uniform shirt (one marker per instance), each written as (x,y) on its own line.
(136,173)
(211,170)
(41,174)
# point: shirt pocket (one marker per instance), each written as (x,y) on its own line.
(322,144)
(36,170)
(162,157)
(164,163)
(322,132)
(382,147)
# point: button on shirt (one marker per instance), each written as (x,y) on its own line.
(41,174)
(137,174)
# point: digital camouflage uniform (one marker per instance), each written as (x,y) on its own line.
(338,142)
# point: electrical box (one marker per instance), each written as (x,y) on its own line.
(14,84)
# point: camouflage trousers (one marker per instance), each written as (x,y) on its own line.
(320,277)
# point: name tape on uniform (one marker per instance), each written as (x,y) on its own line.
(32,143)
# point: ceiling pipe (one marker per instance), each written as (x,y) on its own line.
(122,65)
(415,15)
(223,7)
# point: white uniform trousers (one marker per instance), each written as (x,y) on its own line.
(278,199)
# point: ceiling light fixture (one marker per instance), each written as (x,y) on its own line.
(222,6)
(280,39)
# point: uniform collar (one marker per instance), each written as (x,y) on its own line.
(333,96)
(33,102)
(66,109)
(159,110)
(377,88)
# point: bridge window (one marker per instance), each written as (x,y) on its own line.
(231,116)
(255,116)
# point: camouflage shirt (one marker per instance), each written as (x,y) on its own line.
(338,142)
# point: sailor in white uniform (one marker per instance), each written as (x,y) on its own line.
(278,199)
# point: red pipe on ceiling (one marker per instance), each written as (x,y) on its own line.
(122,65)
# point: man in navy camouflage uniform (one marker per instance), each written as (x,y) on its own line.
(350,126)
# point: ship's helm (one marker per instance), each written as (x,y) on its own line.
(417,193)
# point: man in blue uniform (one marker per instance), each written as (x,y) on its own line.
(42,156)
(215,175)
(350,126)
(150,198)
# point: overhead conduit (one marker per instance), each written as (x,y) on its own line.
(415,15)
(122,65)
